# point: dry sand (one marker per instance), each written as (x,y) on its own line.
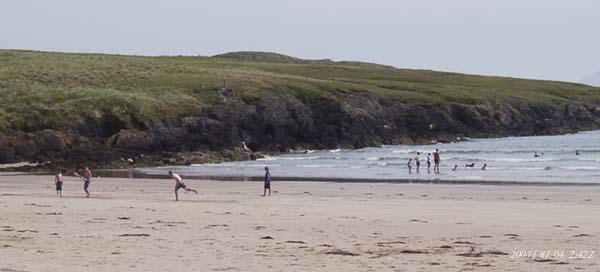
(134,225)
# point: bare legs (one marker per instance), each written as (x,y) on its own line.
(186,189)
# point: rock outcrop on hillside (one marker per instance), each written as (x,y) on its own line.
(280,121)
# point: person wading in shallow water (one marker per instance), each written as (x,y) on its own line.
(428,163)
(418,162)
(436,161)
(179,184)
(267,181)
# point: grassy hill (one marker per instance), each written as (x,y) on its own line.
(40,90)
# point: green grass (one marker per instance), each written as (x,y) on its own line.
(40,90)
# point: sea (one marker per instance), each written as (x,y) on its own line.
(562,160)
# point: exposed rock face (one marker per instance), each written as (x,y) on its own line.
(280,121)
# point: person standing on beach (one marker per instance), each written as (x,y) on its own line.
(58,181)
(428,163)
(179,184)
(409,165)
(436,161)
(418,162)
(267,181)
(87,175)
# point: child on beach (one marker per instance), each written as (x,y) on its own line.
(409,165)
(267,181)
(428,163)
(179,184)
(58,181)
(418,162)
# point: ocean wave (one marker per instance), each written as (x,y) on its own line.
(580,168)
(384,164)
(505,159)
(320,166)
(509,151)
(470,177)
(547,168)
(405,151)
(524,159)
(589,159)
(383,158)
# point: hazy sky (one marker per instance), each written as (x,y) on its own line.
(547,39)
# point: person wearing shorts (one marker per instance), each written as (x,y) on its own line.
(58,181)
(436,161)
(267,182)
(418,162)
(87,175)
(179,184)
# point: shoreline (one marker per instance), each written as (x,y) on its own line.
(137,174)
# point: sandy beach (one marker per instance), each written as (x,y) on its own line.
(134,225)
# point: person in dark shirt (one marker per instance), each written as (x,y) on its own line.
(436,161)
(267,181)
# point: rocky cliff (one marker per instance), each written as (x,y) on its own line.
(279,121)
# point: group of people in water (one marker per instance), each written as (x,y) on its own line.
(437,159)
(417,161)
(179,183)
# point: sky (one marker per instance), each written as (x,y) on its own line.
(541,39)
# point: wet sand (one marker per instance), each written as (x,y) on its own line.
(134,225)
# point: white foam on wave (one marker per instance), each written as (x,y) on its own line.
(521,168)
(318,166)
(580,168)
(522,159)
(589,159)
(470,177)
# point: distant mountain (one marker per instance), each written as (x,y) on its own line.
(593,79)
(259,56)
